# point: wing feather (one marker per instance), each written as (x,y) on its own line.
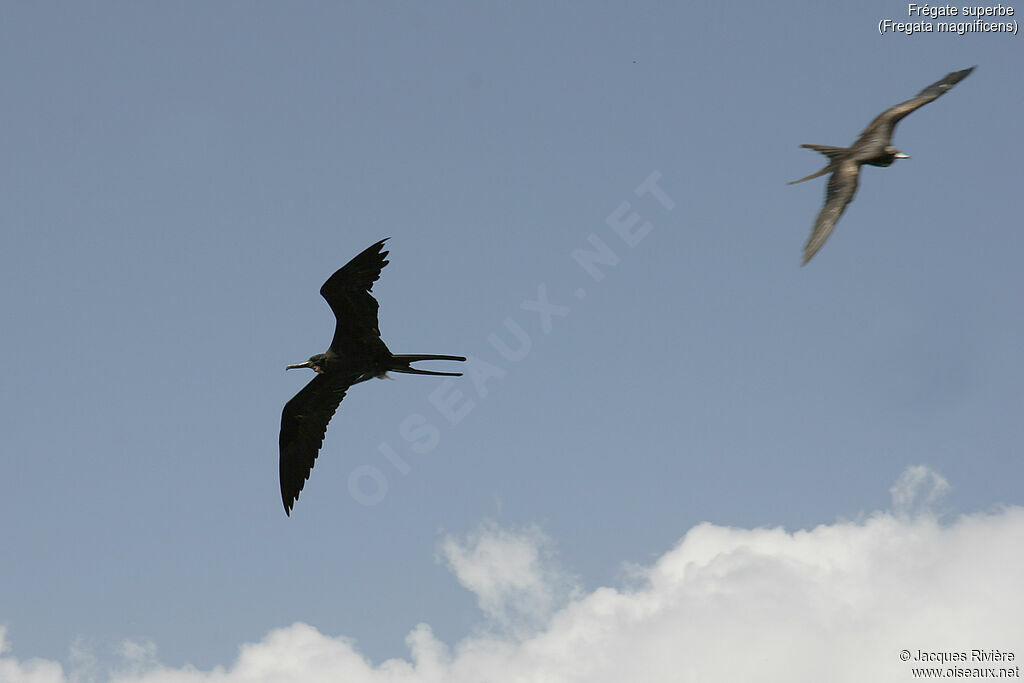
(842,185)
(885,123)
(303,426)
(348,294)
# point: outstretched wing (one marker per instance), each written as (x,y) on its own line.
(841,187)
(348,294)
(303,425)
(885,123)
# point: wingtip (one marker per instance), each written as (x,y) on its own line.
(810,253)
(954,77)
(378,246)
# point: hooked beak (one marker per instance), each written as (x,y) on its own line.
(901,155)
(307,364)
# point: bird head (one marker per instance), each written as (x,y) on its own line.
(315,363)
(895,153)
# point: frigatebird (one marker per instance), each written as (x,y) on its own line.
(356,354)
(873,147)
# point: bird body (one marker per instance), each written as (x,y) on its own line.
(874,148)
(356,354)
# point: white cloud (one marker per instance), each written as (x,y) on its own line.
(28,671)
(835,603)
(512,573)
(917,489)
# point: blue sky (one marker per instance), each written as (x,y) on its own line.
(180,180)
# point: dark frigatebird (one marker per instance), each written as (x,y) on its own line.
(356,354)
(874,147)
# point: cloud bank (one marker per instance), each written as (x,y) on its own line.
(835,603)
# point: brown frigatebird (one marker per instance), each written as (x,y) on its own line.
(357,353)
(873,147)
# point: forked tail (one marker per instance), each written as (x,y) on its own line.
(833,153)
(402,364)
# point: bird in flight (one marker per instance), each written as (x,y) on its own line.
(356,354)
(874,147)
